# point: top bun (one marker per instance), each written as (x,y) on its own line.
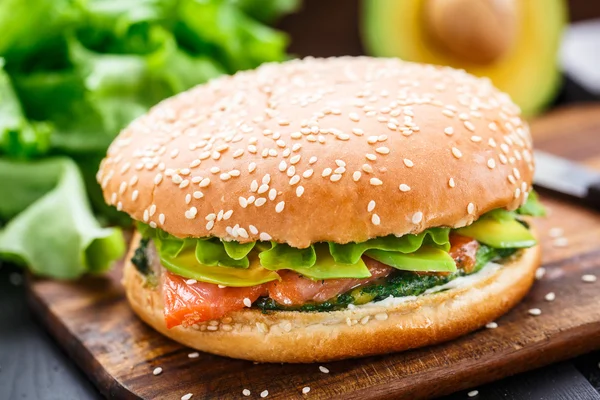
(340,149)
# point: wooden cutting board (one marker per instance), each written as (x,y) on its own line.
(91,320)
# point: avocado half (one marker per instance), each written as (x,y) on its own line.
(524,64)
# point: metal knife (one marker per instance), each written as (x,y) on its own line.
(566,177)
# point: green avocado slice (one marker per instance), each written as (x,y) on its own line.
(186,265)
(426,259)
(500,233)
(327,268)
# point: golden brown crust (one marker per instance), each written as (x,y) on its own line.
(366,330)
(298,151)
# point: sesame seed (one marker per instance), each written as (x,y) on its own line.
(242,233)
(491,325)
(305,390)
(456,152)
(375,219)
(354,117)
(357,131)
(417,217)
(308,173)
(299,191)
(251,167)
(204,182)
(469,125)
(225,176)
(157,371)
(371,206)
(264,393)
(326,172)
(260,202)
(246,392)
(381,316)
(191,213)
(448,113)
(535,311)
(589,278)
(198,194)
(408,163)
(186,396)
(473,393)
(323,369)
(471,208)
(210,225)
(449,130)
(517,193)
(451,182)
(263,188)
(367,168)
(382,150)
(312,160)
(291,171)
(555,232)
(194,354)
(475,139)
(356,176)
(272,194)
(511,179)
(227,215)
(152,224)
(335,177)
(404,187)
(540,272)
(188,198)
(339,170)
(550,296)
(134,195)
(247,302)
(375,182)
(279,207)
(265,237)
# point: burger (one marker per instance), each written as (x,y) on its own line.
(323,209)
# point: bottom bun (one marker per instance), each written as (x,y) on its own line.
(375,328)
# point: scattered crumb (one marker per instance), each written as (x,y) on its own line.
(323,369)
(491,325)
(560,242)
(473,393)
(589,278)
(550,296)
(264,393)
(157,371)
(555,232)
(194,355)
(246,392)
(186,396)
(540,272)
(535,311)
(305,390)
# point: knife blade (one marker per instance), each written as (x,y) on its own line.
(566,177)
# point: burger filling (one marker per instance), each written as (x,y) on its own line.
(206,278)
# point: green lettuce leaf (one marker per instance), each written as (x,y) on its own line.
(238,251)
(212,252)
(50,226)
(350,253)
(532,206)
(283,256)
(326,267)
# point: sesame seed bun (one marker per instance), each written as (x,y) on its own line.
(300,337)
(340,150)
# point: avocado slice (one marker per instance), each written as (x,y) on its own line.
(327,268)
(426,259)
(186,265)
(522,62)
(500,233)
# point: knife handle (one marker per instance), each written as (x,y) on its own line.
(593,195)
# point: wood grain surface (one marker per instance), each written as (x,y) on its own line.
(92,321)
